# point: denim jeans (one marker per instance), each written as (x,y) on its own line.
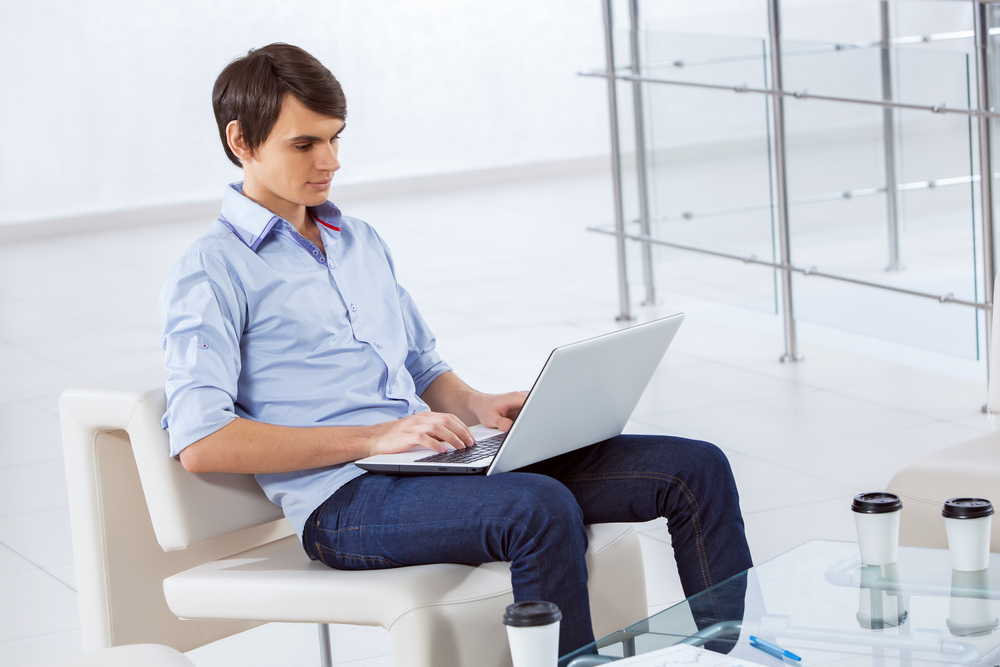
(534,519)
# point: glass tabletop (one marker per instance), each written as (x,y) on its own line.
(819,602)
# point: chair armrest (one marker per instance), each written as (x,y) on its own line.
(120,563)
(135,403)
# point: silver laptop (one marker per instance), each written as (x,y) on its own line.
(585,393)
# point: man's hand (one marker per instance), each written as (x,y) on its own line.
(499,410)
(448,394)
(433,430)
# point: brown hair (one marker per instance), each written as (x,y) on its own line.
(251,88)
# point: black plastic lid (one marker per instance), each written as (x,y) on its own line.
(966,508)
(531,613)
(876,502)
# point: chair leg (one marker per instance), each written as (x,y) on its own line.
(325,655)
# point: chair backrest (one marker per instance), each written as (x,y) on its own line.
(185,509)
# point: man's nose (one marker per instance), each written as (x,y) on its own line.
(328,160)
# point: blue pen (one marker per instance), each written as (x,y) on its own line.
(772,649)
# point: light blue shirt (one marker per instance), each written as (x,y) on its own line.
(259,324)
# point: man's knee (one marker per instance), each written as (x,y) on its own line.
(546,497)
(695,464)
(711,464)
(713,458)
(710,478)
(544,508)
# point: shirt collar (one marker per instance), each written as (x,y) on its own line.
(251,222)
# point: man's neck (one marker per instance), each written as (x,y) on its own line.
(297,216)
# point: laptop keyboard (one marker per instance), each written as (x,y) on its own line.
(480,450)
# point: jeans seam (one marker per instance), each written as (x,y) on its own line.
(320,548)
(699,539)
(336,530)
(347,555)
(319,554)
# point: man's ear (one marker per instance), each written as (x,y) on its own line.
(237,144)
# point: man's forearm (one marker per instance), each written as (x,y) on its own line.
(247,446)
(448,393)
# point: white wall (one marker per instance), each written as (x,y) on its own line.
(106,104)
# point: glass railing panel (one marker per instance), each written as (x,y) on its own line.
(838,148)
(710,166)
(710,184)
(854,72)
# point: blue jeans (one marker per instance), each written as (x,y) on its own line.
(534,519)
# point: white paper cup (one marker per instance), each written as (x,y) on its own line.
(968,522)
(876,516)
(533,633)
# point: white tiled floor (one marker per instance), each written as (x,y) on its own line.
(502,274)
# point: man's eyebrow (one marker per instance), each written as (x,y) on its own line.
(310,137)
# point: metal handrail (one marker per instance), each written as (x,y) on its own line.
(824,48)
(815,199)
(811,271)
(797,94)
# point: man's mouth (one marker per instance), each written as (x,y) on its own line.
(320,185)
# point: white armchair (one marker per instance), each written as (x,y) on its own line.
(153,542)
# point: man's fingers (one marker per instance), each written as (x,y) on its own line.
(454,425)
(431,442)
(458,427)
(444,434)
(433,430)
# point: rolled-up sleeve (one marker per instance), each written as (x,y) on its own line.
(422,360)
(204,313)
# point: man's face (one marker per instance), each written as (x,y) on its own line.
(295,166)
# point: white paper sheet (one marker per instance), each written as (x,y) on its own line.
(683,654)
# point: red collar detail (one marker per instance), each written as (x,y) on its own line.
(328,226)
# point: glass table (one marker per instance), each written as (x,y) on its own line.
(819,602)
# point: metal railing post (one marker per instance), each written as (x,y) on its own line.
(889,144)
(982,29)
(640,153)
(781,183)
(616,163)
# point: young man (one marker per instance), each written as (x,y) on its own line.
(293,351)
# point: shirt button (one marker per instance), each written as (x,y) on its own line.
(378,346)
(354,308)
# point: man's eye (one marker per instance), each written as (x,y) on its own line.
(303,147)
